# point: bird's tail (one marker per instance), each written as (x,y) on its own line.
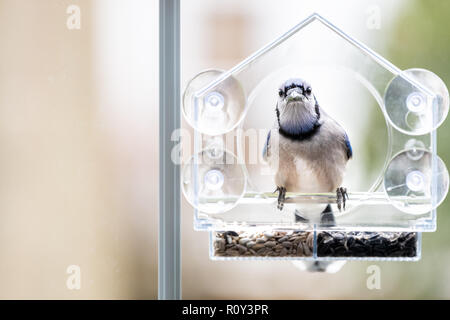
(326,219)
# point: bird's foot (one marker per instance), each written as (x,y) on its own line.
(281,197)
(341,197)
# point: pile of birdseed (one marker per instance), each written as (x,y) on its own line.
(367,244)
(264,244)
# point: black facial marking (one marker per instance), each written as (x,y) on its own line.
(294,83)
(308,131)
(303,135)
(317,108)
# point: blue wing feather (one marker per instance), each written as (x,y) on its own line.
(348,147)
(266,146)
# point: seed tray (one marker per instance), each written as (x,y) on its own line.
(306,245)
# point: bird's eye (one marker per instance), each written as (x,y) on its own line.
(308,90)
(281,93)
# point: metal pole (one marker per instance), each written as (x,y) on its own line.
(169,260)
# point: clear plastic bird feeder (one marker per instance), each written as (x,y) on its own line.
(231,187)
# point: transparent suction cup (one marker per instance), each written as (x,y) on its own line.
(216,110)
(415,181)
(213,181)
(415,110)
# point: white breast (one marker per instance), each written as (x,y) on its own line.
(308,167)
(308,180)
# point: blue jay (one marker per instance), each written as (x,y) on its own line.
(307,150)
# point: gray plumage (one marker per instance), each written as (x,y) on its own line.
(306,148)
(307,151)
(316,164)
(313,154)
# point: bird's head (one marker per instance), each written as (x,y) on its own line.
(297,109)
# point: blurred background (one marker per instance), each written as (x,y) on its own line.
(79,140)
(79,164)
